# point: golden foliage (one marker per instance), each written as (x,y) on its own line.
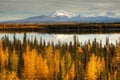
(88,47)
(50,61)
(80,50)
(56,61)
(63,72)
(53,66)
(7,75)
(67,67)
(67,77)
(72,72)
(49,53)
(115,74)
(116,58)
(68,61)
(29,63)
(12,76)
(70,75)
(91,68)
(116,61)
(94,67)
(3,57)
(100,65)
(14,61)
(42,70)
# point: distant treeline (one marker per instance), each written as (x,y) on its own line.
(62,27)
(39,60)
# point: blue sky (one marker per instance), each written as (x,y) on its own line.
(18,9)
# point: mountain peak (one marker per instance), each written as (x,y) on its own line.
(62,13)
(66,16)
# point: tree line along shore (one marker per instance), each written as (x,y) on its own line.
(62,27)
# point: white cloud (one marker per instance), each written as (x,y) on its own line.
(38,7)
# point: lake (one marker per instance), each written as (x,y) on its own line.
(65,37)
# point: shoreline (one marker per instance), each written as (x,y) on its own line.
(66,28)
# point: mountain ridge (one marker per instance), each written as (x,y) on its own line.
(64,16)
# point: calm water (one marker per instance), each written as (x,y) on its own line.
(65,37)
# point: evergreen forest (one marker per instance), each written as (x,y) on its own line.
(40,60)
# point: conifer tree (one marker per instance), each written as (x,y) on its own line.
(116,61)
(56,64)
(8,75)
(94,67)
(50,60)
(91,68)
(42,71)
(14,61)
(3,57)
(29,63)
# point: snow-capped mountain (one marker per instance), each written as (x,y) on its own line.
(64,16)
(62,13)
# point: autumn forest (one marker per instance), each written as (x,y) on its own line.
(41,60)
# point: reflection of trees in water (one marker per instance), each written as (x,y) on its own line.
(62,27)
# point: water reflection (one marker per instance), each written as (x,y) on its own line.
(65,37)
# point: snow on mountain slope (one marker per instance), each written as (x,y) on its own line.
(62,13)
(64,16)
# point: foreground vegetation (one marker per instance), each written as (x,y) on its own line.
(38,60)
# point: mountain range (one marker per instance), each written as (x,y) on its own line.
(64,16)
